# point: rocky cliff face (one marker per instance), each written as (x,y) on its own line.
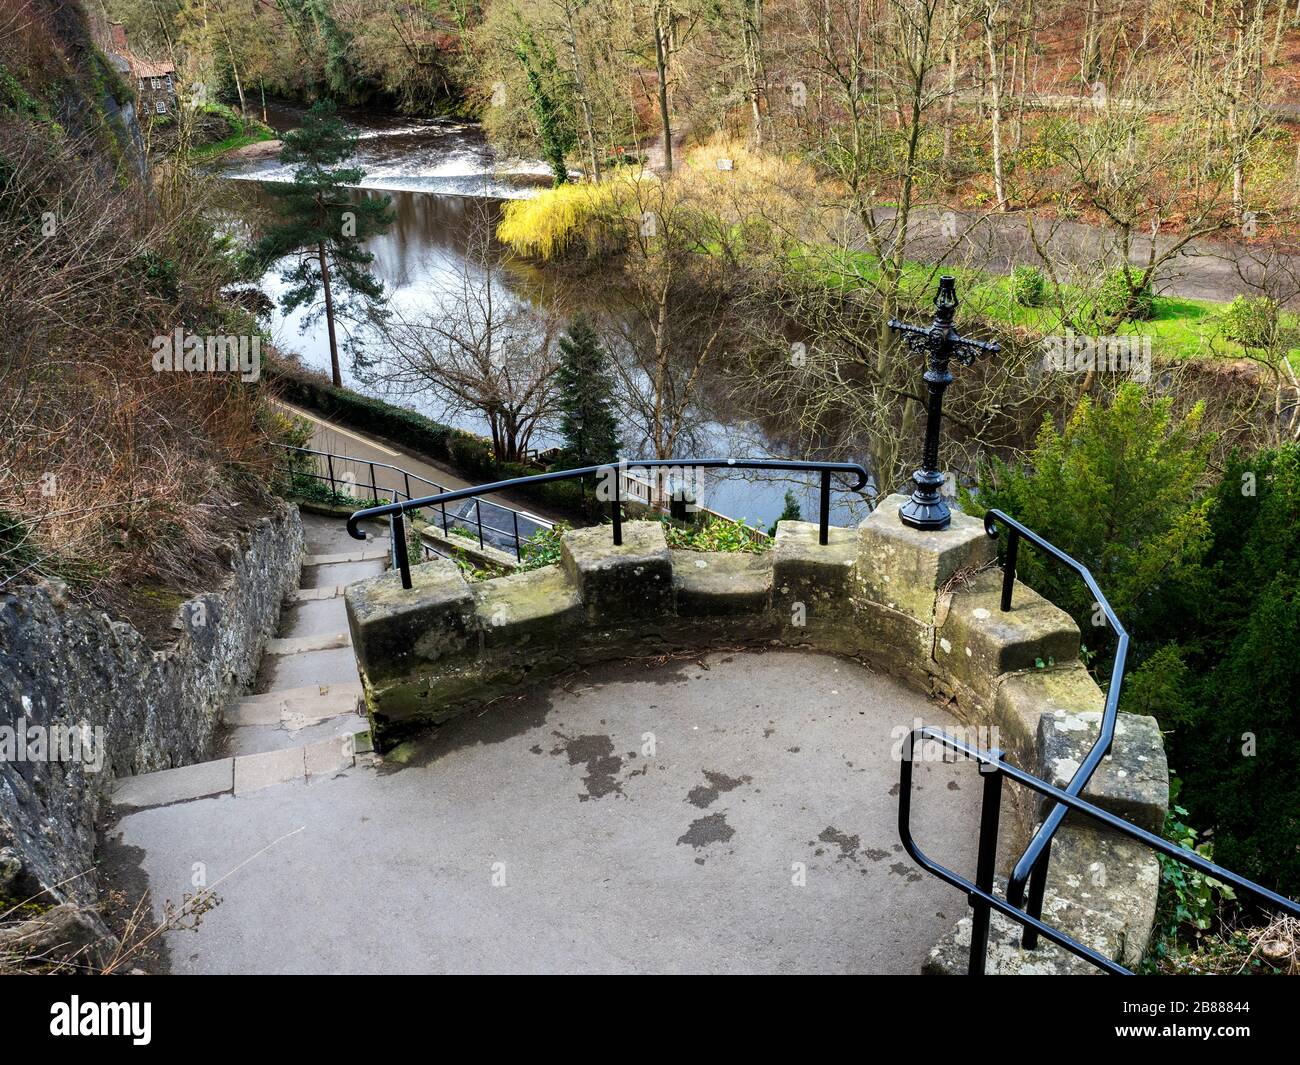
(84,700)
(53,74)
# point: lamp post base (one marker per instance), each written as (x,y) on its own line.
(926,509)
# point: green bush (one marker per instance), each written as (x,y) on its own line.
(1117,490)
(543,547)
(1252,321)
(716,534)
(1028,286)
(1117,300)
(1230,684)
(790,512)
(1207,581)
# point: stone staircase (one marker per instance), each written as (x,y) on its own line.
(303,720)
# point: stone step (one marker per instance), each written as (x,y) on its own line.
(295,645)
(976,642)
(314,595)
(322,690)
(295,705)
(363,554)
(244,773)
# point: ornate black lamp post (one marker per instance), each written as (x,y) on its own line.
(941,342)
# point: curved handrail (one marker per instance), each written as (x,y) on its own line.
(1031,868)
(994,768)
(825,468)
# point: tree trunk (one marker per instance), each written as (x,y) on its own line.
(995,87)
(580,85)
(661,68)
(335,373)
(950,104)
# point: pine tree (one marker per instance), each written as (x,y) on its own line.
(586,391)
(790,513)
(325,226)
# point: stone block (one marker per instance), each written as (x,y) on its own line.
(397,631)
(721,584)
(1023,698)
(1097,875)
(977,642)
(1132,781)
(167,786)
(903,568)
(517,612)
(1006,957)
(895,641)
(810,579)
(629,582)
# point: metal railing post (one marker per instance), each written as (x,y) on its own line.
(823,532)
(985,864)
(1009,568)
(616,513)
(329,461)
(406,480)
(478,517)
(374,484)
(398,532)
(519,555)
(1034,902)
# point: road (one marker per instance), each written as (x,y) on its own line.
(364,450)
(1204,270)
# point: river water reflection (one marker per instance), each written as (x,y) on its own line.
(444,182)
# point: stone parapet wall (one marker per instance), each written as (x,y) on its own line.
(924,606)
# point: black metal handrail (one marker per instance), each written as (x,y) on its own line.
(993,768)
(612,471)
(448,522)
(1031,868)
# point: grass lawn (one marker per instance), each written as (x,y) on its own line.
(1179,328)
(242,132)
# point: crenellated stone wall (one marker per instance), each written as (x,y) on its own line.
(924,606)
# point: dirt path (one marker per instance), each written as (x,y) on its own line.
(1204,270)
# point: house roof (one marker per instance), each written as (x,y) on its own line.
(140,68)
(144,68)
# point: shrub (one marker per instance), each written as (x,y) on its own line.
(1116,489)
(1252,321)
(543,547)
(569,219)
(1028,286)
(1233,731)
(716,534)
(790,512)
(1118,299)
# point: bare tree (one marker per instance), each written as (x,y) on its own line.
(676,307)
(478,350)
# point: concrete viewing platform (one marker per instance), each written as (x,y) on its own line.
(642,759)
(733,812)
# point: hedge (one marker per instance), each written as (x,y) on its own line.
(469,454)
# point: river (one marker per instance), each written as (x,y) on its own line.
(442,178)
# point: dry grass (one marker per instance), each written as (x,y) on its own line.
(1271,949)
(129,484)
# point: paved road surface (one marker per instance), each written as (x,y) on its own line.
(334,438)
